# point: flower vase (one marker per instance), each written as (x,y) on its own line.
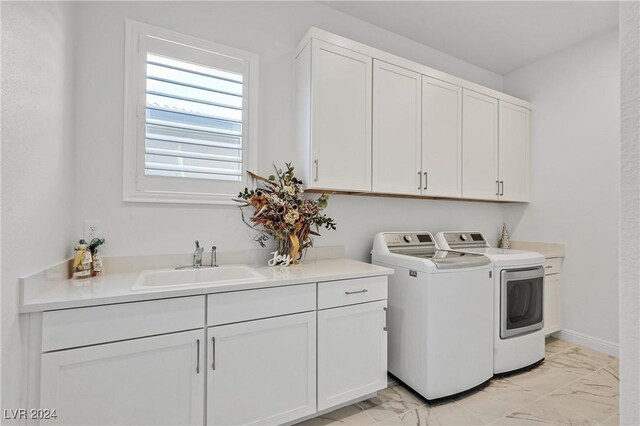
(287,250)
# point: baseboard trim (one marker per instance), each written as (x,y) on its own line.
(590,342)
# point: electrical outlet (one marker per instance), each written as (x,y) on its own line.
(91,230)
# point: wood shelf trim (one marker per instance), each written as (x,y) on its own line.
(424,197)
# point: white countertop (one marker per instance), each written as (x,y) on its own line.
(548,250)
(63,293)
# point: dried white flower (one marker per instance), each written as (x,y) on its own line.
(291,217)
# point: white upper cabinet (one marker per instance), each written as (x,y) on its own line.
(514,137)
(396,130)
(479,146)
(441,138)
(341,119)
(370,121)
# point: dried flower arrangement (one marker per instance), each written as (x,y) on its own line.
(282,212)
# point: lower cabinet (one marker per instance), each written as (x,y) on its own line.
(262,371)
(263,356)
(551,303)
(552,295)
(352,352)
(153,380)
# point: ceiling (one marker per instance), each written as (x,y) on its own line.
(500,36)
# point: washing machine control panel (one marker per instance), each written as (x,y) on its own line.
(399,239)
(465,239)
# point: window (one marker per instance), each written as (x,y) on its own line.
(189,118)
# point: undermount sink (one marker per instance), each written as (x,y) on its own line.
(226,274)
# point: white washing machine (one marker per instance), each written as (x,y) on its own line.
(440,318)
(518,299)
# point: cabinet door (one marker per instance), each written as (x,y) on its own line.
(441,138)
(551,303)
(514,147)
(352,352)
(396,130)
(153,381)
(262,371)
(341,118)
(479,146)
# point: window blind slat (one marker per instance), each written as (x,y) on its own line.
(192,169)
(156,107)
(187,99)
(192,71)
(193,142)
(172,90)
(187,154)
(185,126)
(193,86)
(201,176)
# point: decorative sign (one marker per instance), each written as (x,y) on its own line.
(279,259)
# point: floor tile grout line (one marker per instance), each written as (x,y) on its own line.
(469,411)
(561,387)
(397,414)
(609,418)
(514,384)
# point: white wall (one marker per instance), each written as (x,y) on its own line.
(630,214)
(37,161)
(575,182)
(272,30)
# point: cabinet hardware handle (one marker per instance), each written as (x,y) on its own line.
(420,180)
(315,162)
(498,183)
(547,267)
(502,190)
(213,352)
(386,318)
(426,180)
(198,358)
(364,290)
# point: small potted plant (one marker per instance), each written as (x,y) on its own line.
(281,211)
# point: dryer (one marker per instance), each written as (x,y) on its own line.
(518,299)
(440,317)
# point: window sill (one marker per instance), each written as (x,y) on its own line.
(179,198)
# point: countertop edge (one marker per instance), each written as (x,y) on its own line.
(36,307)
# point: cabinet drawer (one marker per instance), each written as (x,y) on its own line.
(70,328)
(552,265)
(349,292)
(236,306)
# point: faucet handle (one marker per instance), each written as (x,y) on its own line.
(214,257)
(197,244)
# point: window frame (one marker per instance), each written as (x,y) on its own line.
(138,187)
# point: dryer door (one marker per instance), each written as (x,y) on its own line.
(521,299)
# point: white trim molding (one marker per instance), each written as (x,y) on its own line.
(590,342)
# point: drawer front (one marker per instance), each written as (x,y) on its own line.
(71,328)
(349,292)
(552,265)
(236,306)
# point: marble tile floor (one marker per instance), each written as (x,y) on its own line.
(573,386)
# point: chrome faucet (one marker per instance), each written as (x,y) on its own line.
(214,257)
(197,255)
